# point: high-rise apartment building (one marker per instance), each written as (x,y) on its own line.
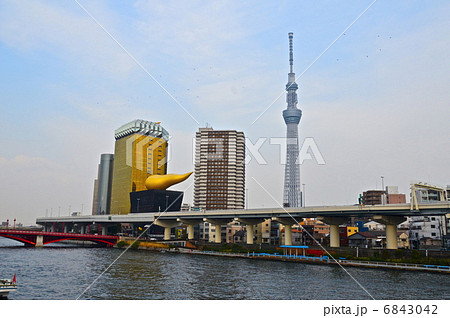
(219,169)
(102,185)
(140,151)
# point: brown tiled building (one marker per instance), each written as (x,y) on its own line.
(219,169)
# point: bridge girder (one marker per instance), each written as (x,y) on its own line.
(30,238)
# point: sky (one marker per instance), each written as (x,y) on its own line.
(373,88)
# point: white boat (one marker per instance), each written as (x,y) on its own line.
(7,286)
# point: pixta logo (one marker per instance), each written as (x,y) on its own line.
(217,149)
(308,150)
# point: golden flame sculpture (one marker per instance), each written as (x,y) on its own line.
(163,181)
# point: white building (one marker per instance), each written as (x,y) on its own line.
(426,230)
(374,226)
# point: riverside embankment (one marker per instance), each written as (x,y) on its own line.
(286,255)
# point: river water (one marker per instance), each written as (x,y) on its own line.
(64,272)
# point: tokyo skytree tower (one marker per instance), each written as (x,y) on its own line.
(292,115)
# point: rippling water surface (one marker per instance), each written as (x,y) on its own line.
(65,272)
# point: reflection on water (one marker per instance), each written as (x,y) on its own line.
(65,272)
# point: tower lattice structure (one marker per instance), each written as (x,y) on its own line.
(292,115)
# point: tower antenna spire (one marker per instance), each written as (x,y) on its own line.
(291,52)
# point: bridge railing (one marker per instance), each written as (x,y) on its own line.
(25,232)
(353,262)
(289,256)
(396,265)
(20,231)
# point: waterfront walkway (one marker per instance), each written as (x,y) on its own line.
(345,262)
(325,260)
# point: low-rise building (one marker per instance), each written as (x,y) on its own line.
(403,239)
(375,226)
(367,239)
(231,230)
(426,231)
(297,237)
(316,228)
(376,239)
(240,236)
(344,232)
(388,196)
(372,197)
(393,197)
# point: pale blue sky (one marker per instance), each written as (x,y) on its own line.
(376,102)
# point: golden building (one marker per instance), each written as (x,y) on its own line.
(140,151)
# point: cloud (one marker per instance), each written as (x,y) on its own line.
(26,182)
(64,33)
(191,30)
(208,52)
(25,161)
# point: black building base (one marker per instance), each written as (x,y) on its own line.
(155,201)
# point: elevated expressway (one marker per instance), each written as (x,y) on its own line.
(390,214)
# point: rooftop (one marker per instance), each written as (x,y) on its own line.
(142,127)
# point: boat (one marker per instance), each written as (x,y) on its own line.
(7,286)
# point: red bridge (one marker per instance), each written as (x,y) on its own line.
(39,238)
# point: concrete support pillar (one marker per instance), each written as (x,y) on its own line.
(167,225)
(287,222)
(39,241)
(391,237)
(250,226)
(66,228)
(288,234)
(334,223)
(218,228)
(334,235)
(190,226)
(167,231)
(82,229)
(249,233)
(190,230)
(391,223)
(104,230)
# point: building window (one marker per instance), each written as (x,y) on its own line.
(433,234)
